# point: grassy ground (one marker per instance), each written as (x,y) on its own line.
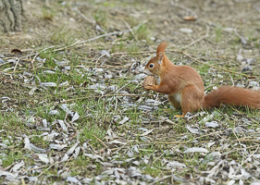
(63,43)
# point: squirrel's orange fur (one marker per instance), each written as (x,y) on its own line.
(185,88)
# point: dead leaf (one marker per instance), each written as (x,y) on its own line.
(190,18)
(16,51)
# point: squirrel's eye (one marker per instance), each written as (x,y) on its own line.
(151,65)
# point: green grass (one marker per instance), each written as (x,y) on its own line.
(218,33)
(119,47)
(11,157)
(153,171)
(39,142)
(142,33)
(64,35)
(101,18)
(48,14)
(89,132)
(62,28)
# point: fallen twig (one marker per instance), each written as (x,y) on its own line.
(131,30)
(100,141)
(93,22)
(186,54)
(248,140)
(16,65)
(98,37)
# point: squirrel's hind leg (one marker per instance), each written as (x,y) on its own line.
(173,101)
(191,100)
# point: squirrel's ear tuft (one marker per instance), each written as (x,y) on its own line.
(160,57)
(161,48)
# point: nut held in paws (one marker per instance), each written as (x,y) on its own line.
(149,80)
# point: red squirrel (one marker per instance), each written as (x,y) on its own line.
(185,88)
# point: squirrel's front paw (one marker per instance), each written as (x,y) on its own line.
(148,86)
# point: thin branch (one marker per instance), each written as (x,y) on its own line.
(16,65)
(100,141)
(99,59)
(85,18)
(186,54)
(100,36)
(6,63)
(131,31)
(249,140)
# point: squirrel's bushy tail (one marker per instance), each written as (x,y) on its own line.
(234,96)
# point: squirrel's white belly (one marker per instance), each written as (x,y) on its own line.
(177,97)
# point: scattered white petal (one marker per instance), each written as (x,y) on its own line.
(31,92)
(44,158)
(210,144)
(76,154)
(48,84)
(54,112)
(17,166)
(66,83)
(175,165)
(117,142)
(255,183)
(65,158)
(66,109)
(124,120)
(73,180)
(192,130)
(152,102)
(32,147)
(63,63)
(186,30)
(75,117)
(228,29)
(71,150)
(94,156)
(49,72)
(57,146)
(196,149)
(10,177)
(231,182)
(63,126)
(105,52)
(97,86)
(212,124)
(146,133)
(51,136)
